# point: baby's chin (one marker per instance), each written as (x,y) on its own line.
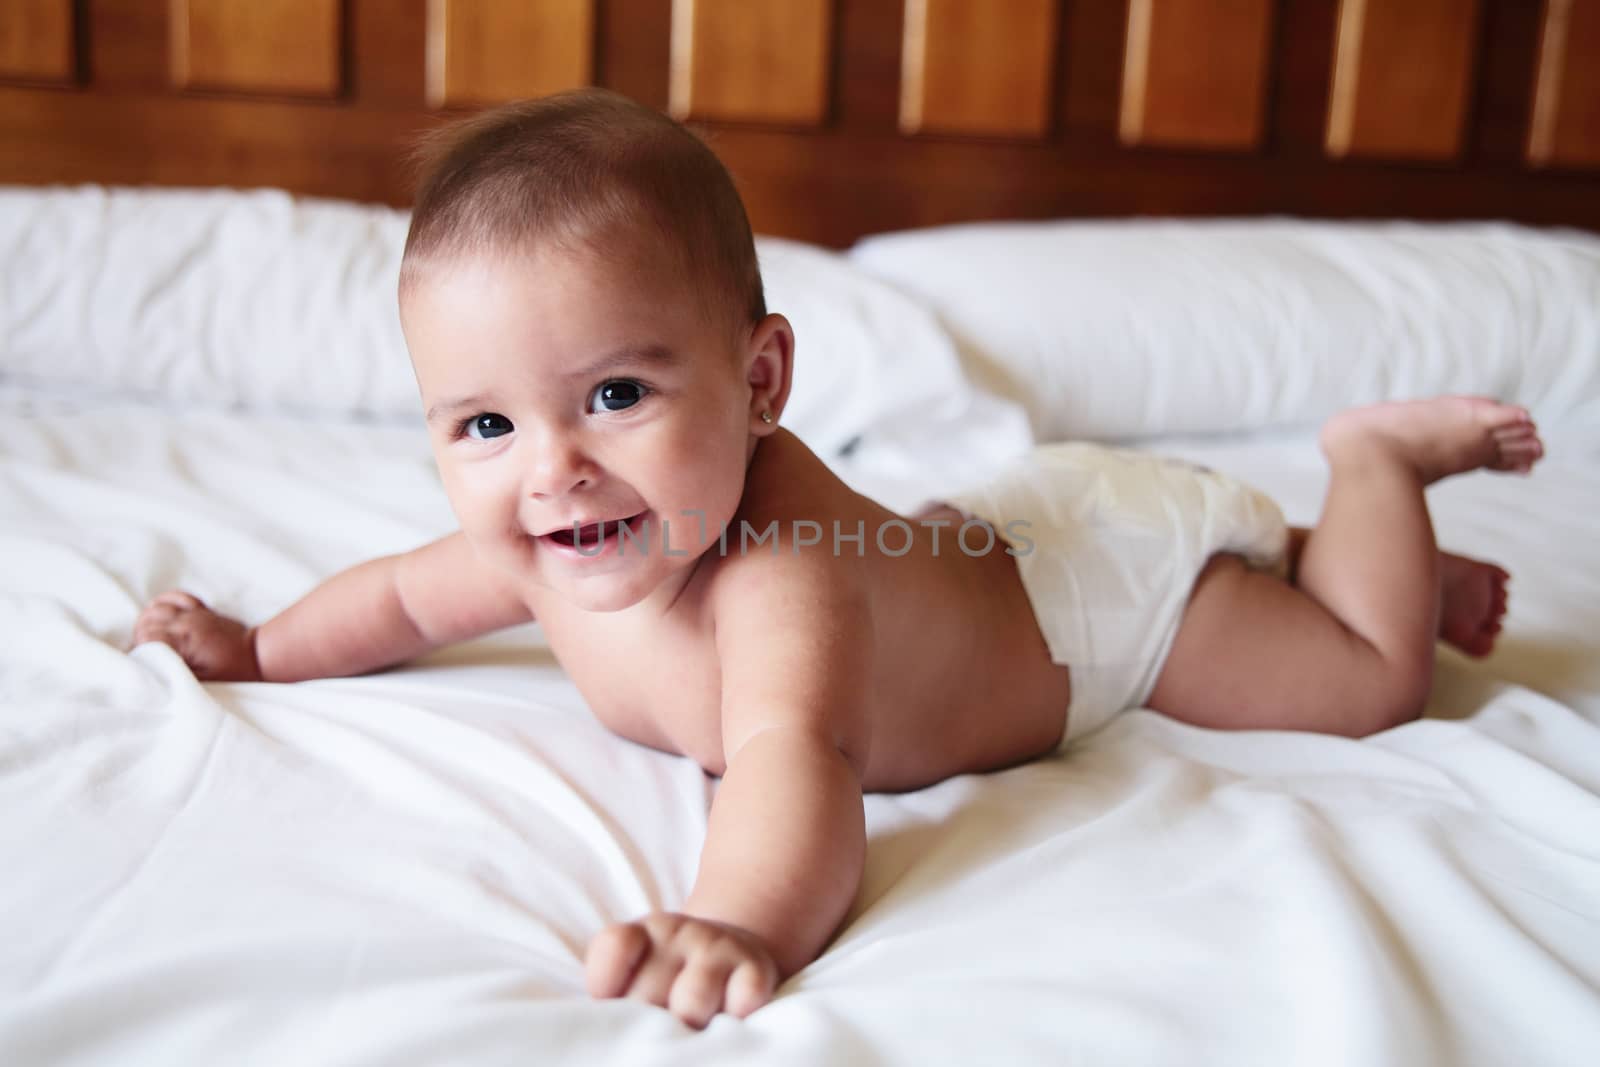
(605,593)
(602,597)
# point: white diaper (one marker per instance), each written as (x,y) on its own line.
(1109,543)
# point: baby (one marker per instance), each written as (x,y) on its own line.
(603,387)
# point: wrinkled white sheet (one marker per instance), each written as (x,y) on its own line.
(404,868)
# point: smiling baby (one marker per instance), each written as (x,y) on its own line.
(604,387)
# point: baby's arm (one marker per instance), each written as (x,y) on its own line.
(787,839)
(374,615)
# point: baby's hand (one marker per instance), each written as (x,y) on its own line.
(216,648)
(692,967)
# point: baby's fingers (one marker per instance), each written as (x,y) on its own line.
(750,986)
(715,982)
(697,991)
(153,623)
(177,598)
(612,959)
(694,968)
(156,621)
(652,980)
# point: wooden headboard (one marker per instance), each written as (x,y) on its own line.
(845,117)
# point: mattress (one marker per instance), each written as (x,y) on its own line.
(406,867)
(208,390)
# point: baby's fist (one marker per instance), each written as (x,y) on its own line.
(216,648)
(692,967)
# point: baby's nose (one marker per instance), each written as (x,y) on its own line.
(558,467)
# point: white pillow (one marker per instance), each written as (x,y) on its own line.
(266,301)
(1137,328)
(872,363)
(254,300)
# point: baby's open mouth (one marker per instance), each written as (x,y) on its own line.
(592,533)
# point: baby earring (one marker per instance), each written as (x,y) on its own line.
(766,417)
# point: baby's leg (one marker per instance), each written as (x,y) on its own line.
(1349,649)
(1472,597)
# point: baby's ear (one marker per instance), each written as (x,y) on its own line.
(769,372)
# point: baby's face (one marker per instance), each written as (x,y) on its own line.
(563,389)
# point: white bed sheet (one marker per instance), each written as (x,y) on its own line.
(404,868)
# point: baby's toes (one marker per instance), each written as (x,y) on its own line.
(177,598)
(1494,415)
(1519,453)
(1518,445)
(1488,636)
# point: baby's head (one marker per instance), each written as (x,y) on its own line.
(584,312)
(586,171)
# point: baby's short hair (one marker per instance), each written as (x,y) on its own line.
(587,168)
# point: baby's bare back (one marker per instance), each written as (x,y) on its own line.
(958,676)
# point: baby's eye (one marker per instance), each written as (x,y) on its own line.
(485,426)
(616,395)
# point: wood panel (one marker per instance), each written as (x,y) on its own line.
(986,69)
(1195,73)
(1566,104)
(491,51)
(36,40)
(386,51)
(634,51)
(264,46)
(855,174)
(1502,92)
(831,186)
(1402,80)
(744,61)
(130,45)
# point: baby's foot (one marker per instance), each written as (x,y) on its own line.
(1437,438)
(1471,604)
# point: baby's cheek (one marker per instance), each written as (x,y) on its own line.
(485,512)
(505,549)
(715,491)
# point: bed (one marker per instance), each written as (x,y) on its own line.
(207,388)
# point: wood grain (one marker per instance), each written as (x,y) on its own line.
(634,53)
(491,51)
(744,61)
(985,69)
(1195,74)
(387,53)
(265,46)
(36,40)
(129,46)
(1403,78)
(1565,130)
(857,173)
